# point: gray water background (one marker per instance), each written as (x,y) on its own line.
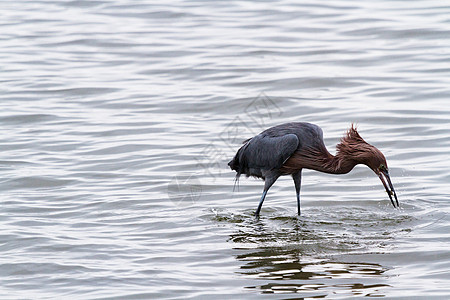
(118,119)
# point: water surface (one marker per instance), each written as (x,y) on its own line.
(118,119)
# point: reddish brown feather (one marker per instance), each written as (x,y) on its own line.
(351,150)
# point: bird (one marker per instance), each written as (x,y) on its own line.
(289,148)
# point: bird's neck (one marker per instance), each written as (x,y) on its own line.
(338,164)
(321,160)
(333,164)
(352,150)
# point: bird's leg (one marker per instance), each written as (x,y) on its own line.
(269,181)
(297,181)
(261,203)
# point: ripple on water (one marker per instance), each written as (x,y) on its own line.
(287,254)
(112,112)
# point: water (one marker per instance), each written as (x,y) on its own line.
(118,119)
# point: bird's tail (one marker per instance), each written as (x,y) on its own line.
(235,166)
(236,182)
(239,164)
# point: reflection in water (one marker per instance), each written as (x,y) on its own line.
(289,255)
(284,271)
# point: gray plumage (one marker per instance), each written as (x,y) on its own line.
(269,150)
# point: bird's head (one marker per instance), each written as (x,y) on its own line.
(354,145)
(374,159)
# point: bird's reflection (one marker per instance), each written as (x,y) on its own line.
(284,255)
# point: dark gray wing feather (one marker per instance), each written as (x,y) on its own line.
(268,152)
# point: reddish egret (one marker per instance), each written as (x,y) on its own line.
(288,148)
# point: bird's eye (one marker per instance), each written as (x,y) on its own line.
(382,167)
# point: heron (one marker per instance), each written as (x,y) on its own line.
(289,148)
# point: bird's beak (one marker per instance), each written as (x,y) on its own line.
(389,187)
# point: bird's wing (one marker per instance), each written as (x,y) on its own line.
(268,152)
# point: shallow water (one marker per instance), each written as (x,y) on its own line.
(119,119)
